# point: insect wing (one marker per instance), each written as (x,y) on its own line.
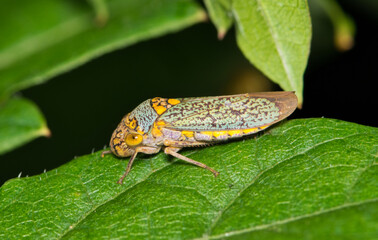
(235,112)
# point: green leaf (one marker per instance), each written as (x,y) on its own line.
(275,36)
(101,9)
(344,26)
(221,15)
(20,122)
(308,178)
(54,36)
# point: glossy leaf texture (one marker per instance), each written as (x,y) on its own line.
(275,36)
(305,179)
(20,122)
(43,38)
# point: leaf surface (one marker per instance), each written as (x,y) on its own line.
(306,178)
(275,36)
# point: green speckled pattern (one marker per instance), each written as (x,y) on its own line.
(145,115)
(221,113)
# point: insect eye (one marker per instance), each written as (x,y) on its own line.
(133,139)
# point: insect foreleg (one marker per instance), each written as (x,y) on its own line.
(143,149)
(128,167)
(105,152)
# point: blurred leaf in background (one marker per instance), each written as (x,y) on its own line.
(343,25)
(48,37)
(20,122)
(45,38)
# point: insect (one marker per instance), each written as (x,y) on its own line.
(175,123)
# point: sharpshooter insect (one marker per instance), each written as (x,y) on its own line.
(175,123)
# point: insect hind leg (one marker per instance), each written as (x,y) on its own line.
(173,151)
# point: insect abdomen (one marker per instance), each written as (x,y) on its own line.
(207,136)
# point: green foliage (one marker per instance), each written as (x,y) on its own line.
(221,14)
(306,179)
(274,35)
(55,36)
(47,37)
(20,122)
(344,27)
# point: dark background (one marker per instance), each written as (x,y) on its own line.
(83,106)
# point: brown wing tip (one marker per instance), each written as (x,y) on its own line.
(286,101)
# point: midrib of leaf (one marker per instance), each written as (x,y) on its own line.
(289,220)
(43,40)
(277,44)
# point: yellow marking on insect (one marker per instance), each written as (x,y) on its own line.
(160,109)
(160,123)
(116,141)
(126,118)
(208,133)
(263,127)
(156,99)
(173,101)
(219,133)
(139,130)
(234,132)
(132,123)
(188,134)
(118,149)
(155,104)
(251,130)
(156,132)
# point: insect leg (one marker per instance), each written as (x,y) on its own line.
(105,152)
(180,144)
(173,151)
(128,167)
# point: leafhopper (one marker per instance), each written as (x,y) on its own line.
(174,123)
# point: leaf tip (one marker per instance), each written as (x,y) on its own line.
(45,131)
(221,33)
(344,42)
(300,101)
(202,16)
(101,20)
